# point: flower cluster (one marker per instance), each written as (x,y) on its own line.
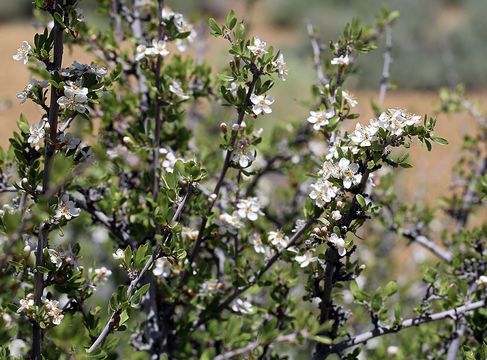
(182,26)
(158,48)
(29,89)
(393,121)
(52,316)
(75,97)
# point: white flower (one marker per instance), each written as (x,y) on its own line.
(209,287)
(316,301)
(322,192)
(306,259)
(320,118)
(23,52)
(74,98)
(140,52)
(189,233)
(55,258)
(163,267)
(348,172)
(258,48)
(256,241)
(26,303)
(249,208)
(74,88)
(482,280)
(68,140)
(233,88)
(243,156)
(348,97)
(243,307)
(280,64)
(176,88)
(257,133)
(158,48)
(36,134)
(23,95)
(339,243)
(336,215)
(278,239)
(261,103)
(228,223)
(342,60)
(119,254)
(66,208)
(364,136)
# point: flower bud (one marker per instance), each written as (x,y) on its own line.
(211,198)
(339,204)
(363,267)
(68,259)
(323,229)
(243,125)
(27,249)
(316,230)
(235,127)
(25,181)
(127,140)
(223,127)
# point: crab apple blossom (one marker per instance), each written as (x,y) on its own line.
(73,99)
(320,118)
(249,208)
(36,134)
(66,209)
(176,88)
(281,66)
(278,239)
(162,267)
(258,47)
(338,243)
(348,172)
(23,52)
(342,60)
(349,99)
(256,241)
(322,192)
(261,103)
(306,259)
(243,307)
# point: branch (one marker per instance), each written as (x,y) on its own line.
(216,190)
(384,85)
(428,244)
(255,344)
(317,48)
(103,219)
(50,144)
(268,265)
(167,233)
(454,313)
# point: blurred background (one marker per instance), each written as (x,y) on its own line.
(436,43)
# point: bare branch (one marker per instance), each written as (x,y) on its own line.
(455,313)
(384,84)
(317,49)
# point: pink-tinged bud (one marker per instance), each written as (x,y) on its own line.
(103,269)
(61,316)
(339,204)
(27,249)
(223,127)
(377,182)
(316,230)
(243,125)
(323,229)
(212,198)
(68,259)
(25,181)
(221,217)
(48,306)
(362,267)
(46,125)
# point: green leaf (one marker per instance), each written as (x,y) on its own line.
(230,21)
(214,26)
(439,140)
(124,316)
(360,200)
(391,288)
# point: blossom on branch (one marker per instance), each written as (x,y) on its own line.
(23,52)
(261,103)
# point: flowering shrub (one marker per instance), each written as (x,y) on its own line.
(201,260)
